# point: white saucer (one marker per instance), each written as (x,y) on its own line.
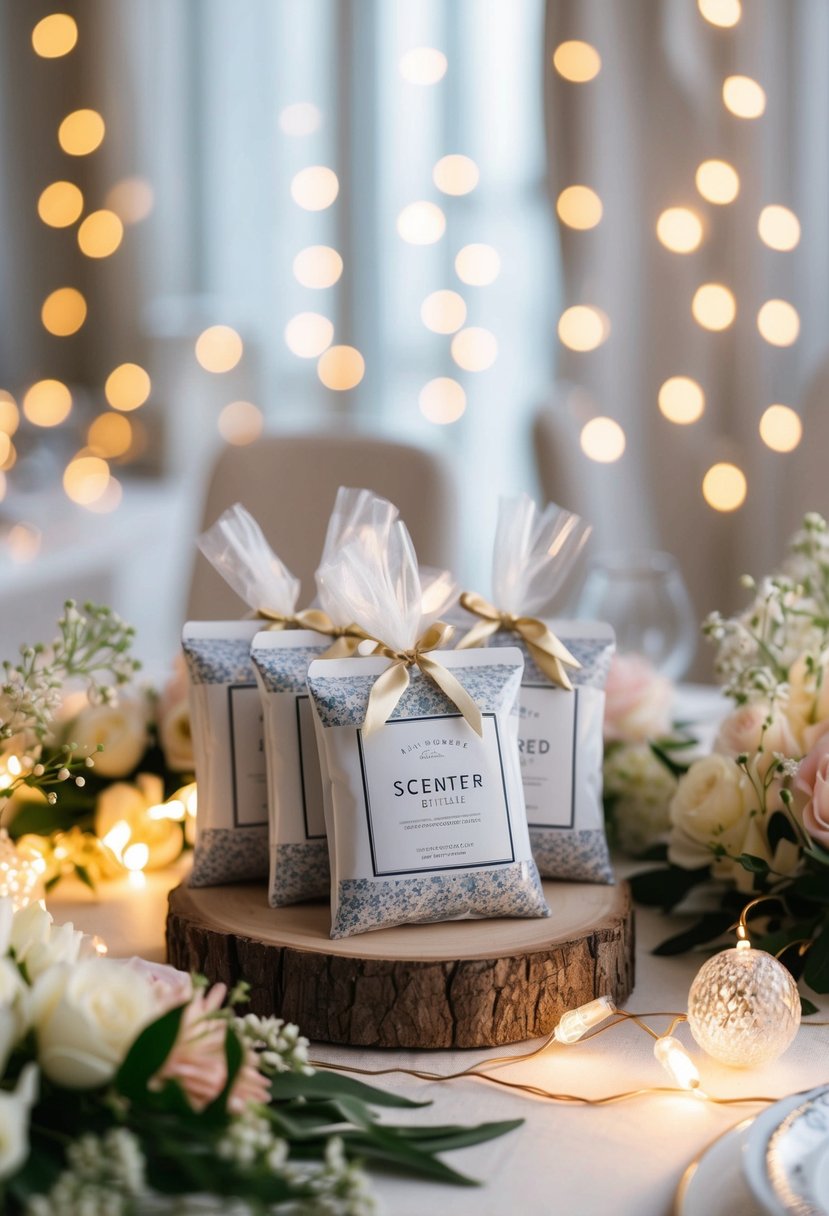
(755,1164)
(714,1185)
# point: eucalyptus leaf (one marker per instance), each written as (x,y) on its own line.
(148,1053)
(816,971)
(324,1084)
(706,929)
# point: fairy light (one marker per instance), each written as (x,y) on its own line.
(444,312)
(577,61)
(718,182)
(442,400)
(300,119)
(341,368)
(583,327)
(308,334)
(603,440)
(54,36)
(173,809)
(421,223)
(579,207)
(81,132)
(780,428)
(714,307)
(100,234)
(723,13)
(219,348)
(315,188)
(677,1063)
(127,387)
(423,65)
(724,486)
(63,312)
(60,204)
(679,229)
(576,1022)
(456,174)
(478,265)
(117,838)
(318,266)
(778,322)
(743,96)
(778,227)
(136,856)
(47,403)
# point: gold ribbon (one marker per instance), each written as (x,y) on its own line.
(393,682)
(346,637)
(546,650)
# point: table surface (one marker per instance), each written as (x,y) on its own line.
(617,1160)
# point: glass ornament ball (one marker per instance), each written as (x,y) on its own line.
(743,1007)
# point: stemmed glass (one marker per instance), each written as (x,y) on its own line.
(643,596)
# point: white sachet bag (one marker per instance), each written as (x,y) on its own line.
(426,817)
(226,713)
(562,692)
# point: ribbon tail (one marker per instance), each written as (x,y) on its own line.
(386,691)
(478,634)
(341,648)
(551,665)
(454,690)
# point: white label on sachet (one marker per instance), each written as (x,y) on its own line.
(435,796)
(547,747)
(311,778)
(250,786)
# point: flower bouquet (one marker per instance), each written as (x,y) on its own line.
(752,817)
(128,1088)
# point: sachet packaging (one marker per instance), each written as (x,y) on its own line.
(562,693)
(226,713)
(419,748)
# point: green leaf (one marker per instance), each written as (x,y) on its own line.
(666,887)
(816,971)
(39,818)
(813,887)
(85,877)
(148,1053)
(755,865)
(708,928)
(322,1084)
(779,828)
(674,767)
(383,1144)
(444,1139)
(813,849)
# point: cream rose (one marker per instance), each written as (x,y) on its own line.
(176,738)
(14,1121)
(637,701)
(757,728)
(808,699)
(86,1017)
(713,805)
(38,943)
(121,730)
(14,1009)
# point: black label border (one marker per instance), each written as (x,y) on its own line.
(308,835)
(261,823)
(562,827)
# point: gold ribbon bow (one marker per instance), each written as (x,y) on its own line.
(393,682)
(347,637)
(546,650)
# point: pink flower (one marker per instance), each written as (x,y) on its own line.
(170,986)
(197,1060)
(813,781)
(637,700)
(173,713)
(744,730)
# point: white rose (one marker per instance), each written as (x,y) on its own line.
(176,737)
(120,729)
(637,700)
(713,805)
(14,1009)
(86,1017)
(38,943)
(642,788)
(14,1121)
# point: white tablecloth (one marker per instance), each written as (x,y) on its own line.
(622,1160)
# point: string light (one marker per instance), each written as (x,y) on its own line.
(474,349)
(63,312)
(713,306)
(127,387)
(47,403)
(100,234)
(60,204)
(576,1022)
(55,36)
(781,428)
(778,322)
(110,435)
(478,265)
(677,1063)
(724,486)
(219,348)
(315,188)
(240,423)
(579,207)
(744,97)
(341,368)
(442,400)
(421,223)
(577,61)
(300,119)
(779,227)
(318,266)
(9,413)
(602,440)
(423,65)
(85,479)
(679,229)
(582,327)
(81,132)
(681,400)
(717,181)
(444,312)
(724,13)
(308,334)
(456,174)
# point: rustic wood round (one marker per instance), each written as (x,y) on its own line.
(472,983)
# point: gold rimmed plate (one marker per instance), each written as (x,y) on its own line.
(713,1184)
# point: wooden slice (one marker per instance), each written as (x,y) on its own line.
(474,983)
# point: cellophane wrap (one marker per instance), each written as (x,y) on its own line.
(369,576)
(560,734)
(236,546)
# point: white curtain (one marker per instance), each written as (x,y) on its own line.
(636,134)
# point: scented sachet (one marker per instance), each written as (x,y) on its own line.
(562,691)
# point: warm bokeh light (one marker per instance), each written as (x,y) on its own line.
(127,387)
(717,181)
(63,312)
(781,428)
(443,312)
(456,174)
(779,228)
(474,349)
(110,500)
(308,334)
(341,368)
(219,348)
(724,487)
(10,461)
(85,479)
(442,400)
(577,61)
(100,234)
(81,132)
(54,36)
(6,446)
(582,327)
(713,306)
(301,118)
(724,13)
(421,223)
(4,485)
(423,65)
(23,542)
(778,322)
(47,403)
(110,435)
(478,265)
(579,207)
(60,204)
(602,440)
(679,229)
(315,188)
(9,413)
(132,199)
(318,266)
(681,400)
(744,97)
(240,423)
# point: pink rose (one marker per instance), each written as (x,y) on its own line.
(169,986)
(197,1061)
(813,781)
(744,732)
(637,701)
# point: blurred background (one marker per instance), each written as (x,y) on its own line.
(577,248)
